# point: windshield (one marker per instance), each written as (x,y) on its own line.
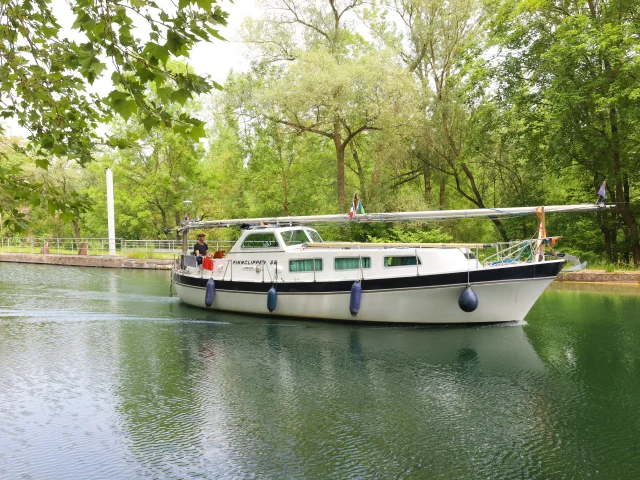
(294,237)
(260,240)
(314,236)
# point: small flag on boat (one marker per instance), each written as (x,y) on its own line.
(356,206)
(603,190)
(602,193)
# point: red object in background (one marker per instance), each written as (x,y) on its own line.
(207,263)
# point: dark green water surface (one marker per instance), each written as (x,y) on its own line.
(102,375)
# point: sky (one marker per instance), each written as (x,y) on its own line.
(215,59)
(218,58)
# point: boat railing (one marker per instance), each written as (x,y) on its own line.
(521,251)
(159,249)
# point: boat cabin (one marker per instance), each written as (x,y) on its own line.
(299,254)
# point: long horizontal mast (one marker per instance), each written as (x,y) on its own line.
(391,217)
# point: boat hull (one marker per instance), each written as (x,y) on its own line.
(504,294)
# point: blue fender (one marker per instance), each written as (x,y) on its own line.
(272,299)
(209,292)
(356,298)
(468,300)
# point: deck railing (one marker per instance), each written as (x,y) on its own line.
(522,251)
(165,248)
(505,252)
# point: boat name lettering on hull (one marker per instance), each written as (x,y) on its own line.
(253,262)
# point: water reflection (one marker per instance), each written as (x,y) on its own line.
(603,289)
(297,400)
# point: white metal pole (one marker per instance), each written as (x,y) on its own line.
(110,214)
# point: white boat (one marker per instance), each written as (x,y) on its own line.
(279,268)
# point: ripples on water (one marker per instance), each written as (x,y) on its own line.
(103,376)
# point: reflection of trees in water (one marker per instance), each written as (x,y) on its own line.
(589,340)
(327,397)
(467,357)
(355,348)
(158,404)
(284,398)
(296,399)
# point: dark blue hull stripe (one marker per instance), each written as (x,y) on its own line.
(521,272)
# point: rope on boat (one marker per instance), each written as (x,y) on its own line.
(468,267)
(225,270)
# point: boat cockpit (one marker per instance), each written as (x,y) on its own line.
(275,239)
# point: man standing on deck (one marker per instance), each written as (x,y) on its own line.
(200,249)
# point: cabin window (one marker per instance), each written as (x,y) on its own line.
(305,265)
(294,237)
(260,240)
(314,236)
(402,261)
(352,263)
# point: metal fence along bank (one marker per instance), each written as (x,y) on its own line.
(142,249)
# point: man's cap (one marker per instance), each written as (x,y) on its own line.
(200,235)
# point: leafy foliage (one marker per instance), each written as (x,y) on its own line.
(46,75)
(416,104)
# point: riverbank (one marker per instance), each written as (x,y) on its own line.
(599,276)
(103,261)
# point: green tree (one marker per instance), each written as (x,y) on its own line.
(152,180)
(571,70)
(26,189)
(326,81)
(437,40)
(46,77)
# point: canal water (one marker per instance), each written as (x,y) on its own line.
(102,375)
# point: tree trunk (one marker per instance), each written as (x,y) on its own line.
(163,215)
(479,202)
(76,227)
(608,237)
(501,230)
(426,173)
(356,158)
(285,193)
(608,243)
(622,193)
(337,140)
(630,221)
(443,185)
